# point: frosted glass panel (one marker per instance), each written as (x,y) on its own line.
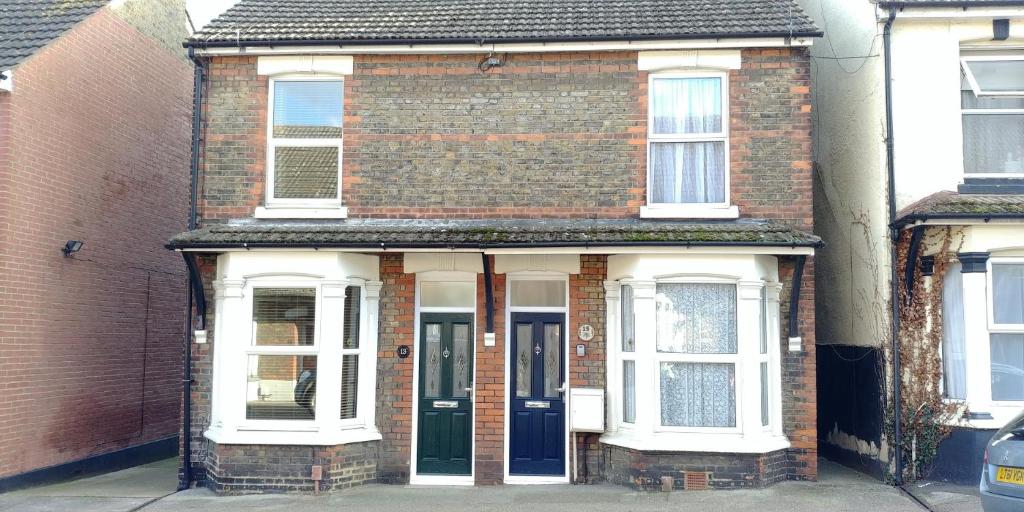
(629,391)
(696,318)
(1008,293)
(432,371)
(524,360)
(538,293)
(698,395)
(992,143)
(453,294)
(552,360)
(461,362)
(628,320)
(998,75)
(1007,366)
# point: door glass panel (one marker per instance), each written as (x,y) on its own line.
(552,360)
(460,361)
(432,368)
(524,360)
(453,294)
(538,293)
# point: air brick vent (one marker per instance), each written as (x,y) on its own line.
(695,480)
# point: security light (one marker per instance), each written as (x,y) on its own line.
(72,246)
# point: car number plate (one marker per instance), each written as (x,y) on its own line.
(1010,475)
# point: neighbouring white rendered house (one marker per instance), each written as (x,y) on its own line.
(932,168)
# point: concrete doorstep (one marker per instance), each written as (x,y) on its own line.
(150,488)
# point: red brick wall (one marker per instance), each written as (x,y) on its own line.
(547,135)
(490,386)
(394,375)
(90,346)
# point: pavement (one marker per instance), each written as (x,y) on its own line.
(946,497)
(150,488)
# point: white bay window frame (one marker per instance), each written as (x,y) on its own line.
(234,344)
(689,210)
(748,435)
(996,328)
(300,207)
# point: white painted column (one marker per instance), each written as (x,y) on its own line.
(232,334)
(979,380)
(748,367)
(613,340)
(646,343)
(367,400)
(773,295)
(328,374)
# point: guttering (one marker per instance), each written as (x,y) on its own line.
(890,151)
(238,43)
(914,218)
(185,481)
(953,3)
(383,246)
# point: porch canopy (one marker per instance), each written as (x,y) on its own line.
(400,234)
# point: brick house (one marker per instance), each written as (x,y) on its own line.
(476,243)
(94,131)
(925,233)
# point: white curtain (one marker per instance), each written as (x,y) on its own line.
(687,172)
(698,394)
(954,365)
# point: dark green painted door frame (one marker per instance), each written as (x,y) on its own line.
(445,417)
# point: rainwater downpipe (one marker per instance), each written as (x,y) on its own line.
(185,480)
(890,145)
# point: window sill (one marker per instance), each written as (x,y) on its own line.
(339,212)
(291,437)
(691,442)
(1001,412)
(673,211)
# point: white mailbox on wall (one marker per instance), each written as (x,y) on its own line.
(586,410)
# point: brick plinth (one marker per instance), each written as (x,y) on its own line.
(643,470)
(246,469)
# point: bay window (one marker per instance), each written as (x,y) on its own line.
(697,365)
(295,355)
(688,145)
(304,142)
(992,102)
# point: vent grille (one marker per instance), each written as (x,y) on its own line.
(695,480)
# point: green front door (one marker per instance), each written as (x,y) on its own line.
(445,423)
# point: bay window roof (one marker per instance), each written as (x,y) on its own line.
(489,21)
(953,205)
(403,233)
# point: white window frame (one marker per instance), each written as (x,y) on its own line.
(318,205)
(624,356)
(689,210)
(965,66)
(679,357)
(996,328)
(647,433)
(235,338)
(965,69)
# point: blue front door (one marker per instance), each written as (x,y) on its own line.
(537,410)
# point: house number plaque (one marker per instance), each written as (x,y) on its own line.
(403,351)
(586,332)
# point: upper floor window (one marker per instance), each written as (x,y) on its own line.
(304,142)
(992,102)
(688,139)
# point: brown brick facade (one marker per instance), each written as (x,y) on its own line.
(394,375)
(644,470)
(94,145)
(243,469)
(547,135)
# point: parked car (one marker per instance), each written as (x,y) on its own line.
(1002,474)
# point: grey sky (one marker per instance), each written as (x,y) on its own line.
(202,11)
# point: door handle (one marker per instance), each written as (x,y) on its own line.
(561,389)
(469,391)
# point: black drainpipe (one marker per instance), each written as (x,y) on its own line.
(185,480)
(488,293)
(916,235)
(890,145)
(794,296)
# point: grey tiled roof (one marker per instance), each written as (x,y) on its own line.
(400,233)
(354,21)
(953,205)
(28,25)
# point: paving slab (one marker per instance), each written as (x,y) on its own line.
(839,489)
(946,497)
(119,491)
